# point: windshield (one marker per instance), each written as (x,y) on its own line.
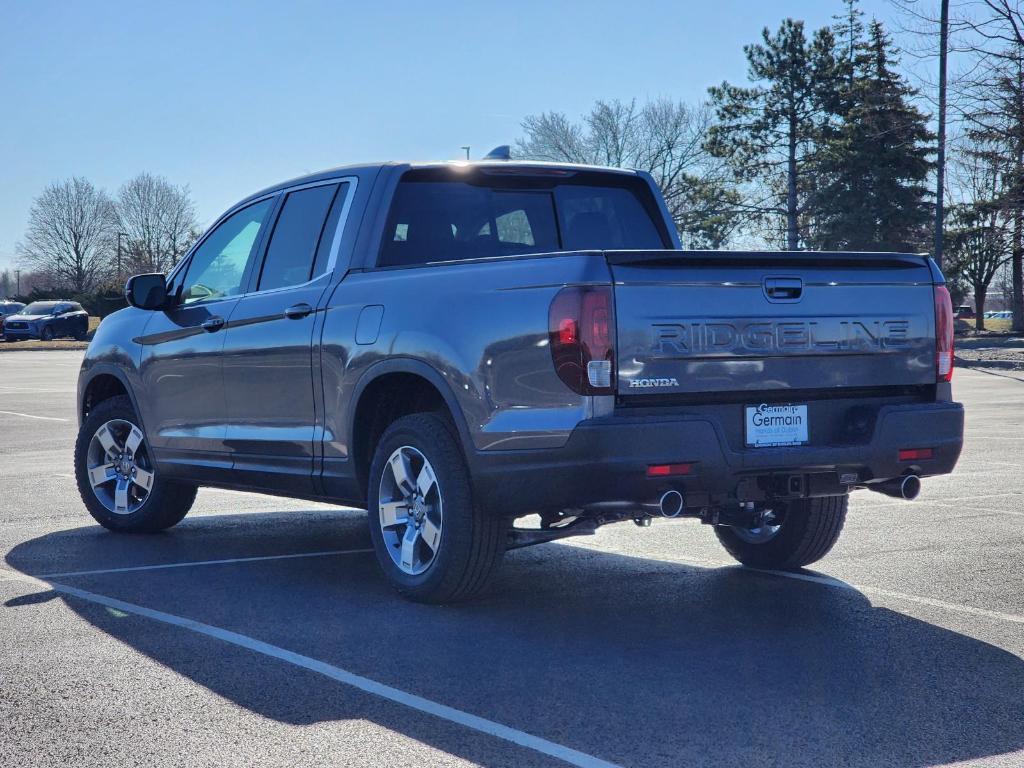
(39,308)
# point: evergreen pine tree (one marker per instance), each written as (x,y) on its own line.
(767,132)
(874,163)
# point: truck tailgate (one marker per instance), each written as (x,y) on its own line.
(717,322)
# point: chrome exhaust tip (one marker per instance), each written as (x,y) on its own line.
(671,504)
(910,487)
(907,487)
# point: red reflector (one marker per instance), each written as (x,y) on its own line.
(914,454)
(666,470)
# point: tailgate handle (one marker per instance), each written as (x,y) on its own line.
(783,288)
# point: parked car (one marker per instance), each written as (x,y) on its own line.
(964,312)
(47,320)
(455,346)
(8,308)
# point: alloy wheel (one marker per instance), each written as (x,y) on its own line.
(119,466)
(410,510)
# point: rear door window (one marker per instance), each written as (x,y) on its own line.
(293,244)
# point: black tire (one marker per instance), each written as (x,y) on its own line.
(809,530)
(81,332)
(168,502)
(472,542)
(46,334)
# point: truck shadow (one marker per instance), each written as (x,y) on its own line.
(635,661)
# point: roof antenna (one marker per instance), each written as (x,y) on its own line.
(503,152)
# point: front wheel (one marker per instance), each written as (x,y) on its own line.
(47,333)
(808,530)
(117,478)
(432,541)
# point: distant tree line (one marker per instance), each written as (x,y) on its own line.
(828,146)
(82,242)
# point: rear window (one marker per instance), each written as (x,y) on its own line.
(433,220)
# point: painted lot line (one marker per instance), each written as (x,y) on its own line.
(195,563)
(30,416)
(364,684)
(828,581)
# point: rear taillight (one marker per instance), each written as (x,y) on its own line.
(581,330)
(943,334)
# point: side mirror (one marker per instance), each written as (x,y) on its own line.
(147,291)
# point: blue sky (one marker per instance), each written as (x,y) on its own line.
(229,97)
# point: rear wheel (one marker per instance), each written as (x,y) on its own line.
(432,541)
(809,529)
(117,478)
(81,332)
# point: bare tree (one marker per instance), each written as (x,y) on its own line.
(978,236)
(994,113)
(663,137)
(159,221)
(70,235)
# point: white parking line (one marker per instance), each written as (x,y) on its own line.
(828,581)
(35,391)
(30,416)
(365,684)
(193,563)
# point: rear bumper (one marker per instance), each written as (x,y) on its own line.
(606,460)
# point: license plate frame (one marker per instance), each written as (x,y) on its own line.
(776,425)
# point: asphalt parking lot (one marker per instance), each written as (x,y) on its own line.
(258,632)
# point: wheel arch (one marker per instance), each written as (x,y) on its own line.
(102,383)
(373,407)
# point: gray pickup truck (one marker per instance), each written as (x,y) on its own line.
(453,346)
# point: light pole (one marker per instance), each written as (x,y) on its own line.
(17,280)
(467,151)
(940,163)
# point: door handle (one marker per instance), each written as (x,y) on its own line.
(213,324)
(298,311)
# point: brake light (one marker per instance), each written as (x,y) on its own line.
(581,324)
(943,334)
(915,454)
(669,470)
